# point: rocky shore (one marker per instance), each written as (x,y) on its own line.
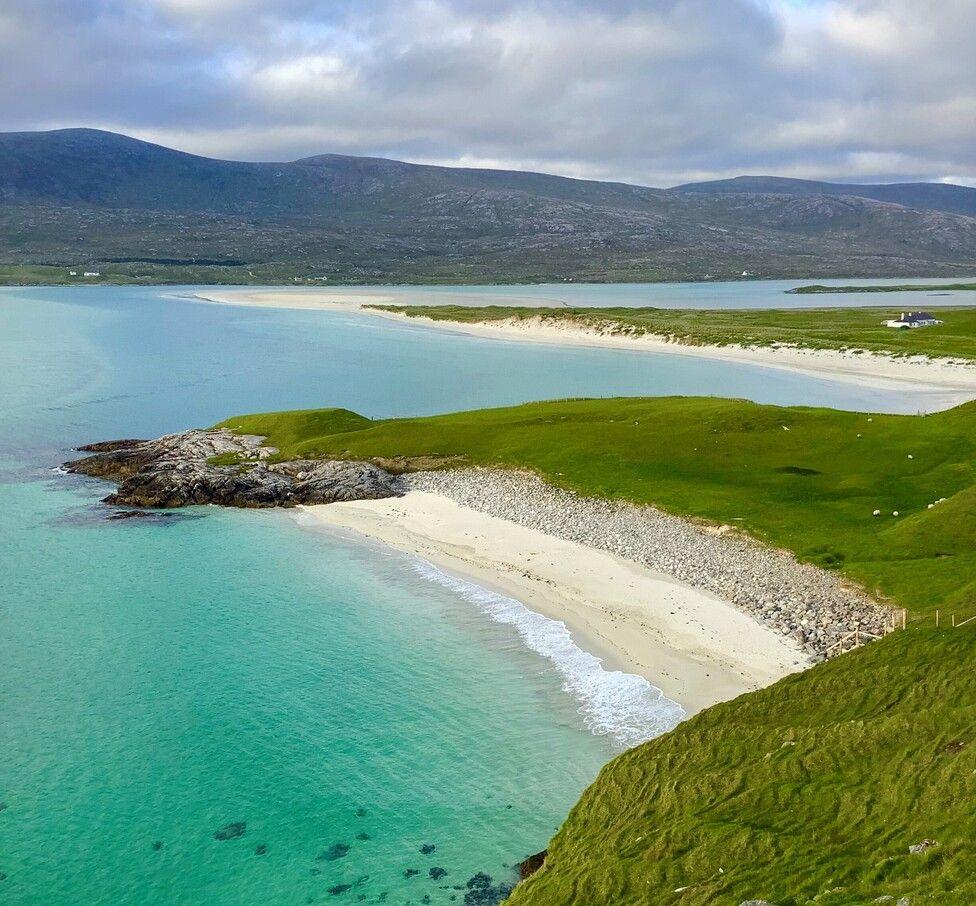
(804,602)
(810,604)
(178,470)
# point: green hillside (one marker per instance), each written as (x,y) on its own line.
(810,791)
(812,328)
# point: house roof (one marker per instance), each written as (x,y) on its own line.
(916,316)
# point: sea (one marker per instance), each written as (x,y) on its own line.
(231,707)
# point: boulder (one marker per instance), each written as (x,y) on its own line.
(916,849)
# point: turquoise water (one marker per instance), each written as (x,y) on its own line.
(708,294)
(161,679)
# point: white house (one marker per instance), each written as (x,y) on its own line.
(92,274)
(912,319)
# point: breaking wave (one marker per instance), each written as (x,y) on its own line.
(621,705)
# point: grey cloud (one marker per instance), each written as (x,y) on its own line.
(657,91)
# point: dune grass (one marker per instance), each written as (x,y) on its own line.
(812,328)
(810,791)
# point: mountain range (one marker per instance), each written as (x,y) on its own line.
(94,199)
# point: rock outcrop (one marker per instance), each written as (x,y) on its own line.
(179,470)
(531,864)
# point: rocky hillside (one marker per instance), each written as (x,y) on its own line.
(87,198)
(931,196)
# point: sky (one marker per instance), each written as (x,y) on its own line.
(657,92)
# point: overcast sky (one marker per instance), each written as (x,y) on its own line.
(655,92)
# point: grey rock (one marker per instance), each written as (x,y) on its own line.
(916,849)
(174,471)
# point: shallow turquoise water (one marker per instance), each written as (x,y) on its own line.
(160,679)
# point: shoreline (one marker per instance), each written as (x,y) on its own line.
(690,644)
(954,379)
(687,614)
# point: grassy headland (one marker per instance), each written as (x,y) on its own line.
(816,786)
(820,328)
(804,479)
(815,288)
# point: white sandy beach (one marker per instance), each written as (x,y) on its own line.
(695,647)
(956,380)
(328,300)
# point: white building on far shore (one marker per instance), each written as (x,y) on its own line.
(911,319)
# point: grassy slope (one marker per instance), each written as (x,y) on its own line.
(149,274)
(281,273)
(825,328)
(822,781)
(819,783)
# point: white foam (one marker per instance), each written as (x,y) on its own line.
(621,705)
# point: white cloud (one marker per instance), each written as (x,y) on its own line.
(202,7)
(959,181)
(654,91)
(303,77)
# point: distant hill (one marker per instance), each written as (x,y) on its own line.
(930,196)
(86,198)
